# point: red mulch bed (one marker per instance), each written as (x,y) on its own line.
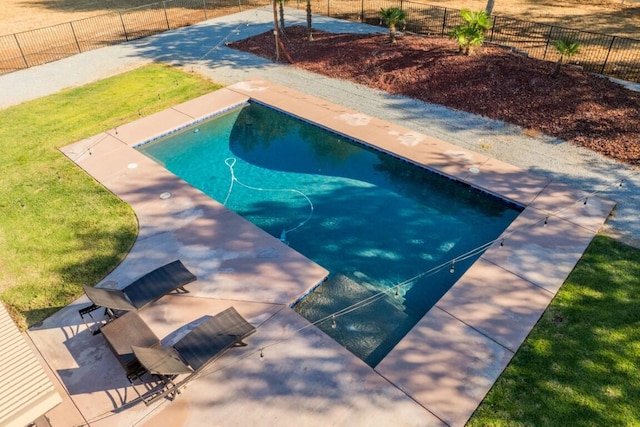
(581,108)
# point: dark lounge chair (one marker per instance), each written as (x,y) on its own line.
(139,350)
(142,292)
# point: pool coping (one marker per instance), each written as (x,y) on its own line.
(449,360)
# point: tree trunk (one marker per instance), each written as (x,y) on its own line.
(556,70)
(309,33)
(281,7)
(276,31)
(392,33)
(489,8)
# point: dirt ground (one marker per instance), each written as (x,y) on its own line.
(25,15)
(616,17)
(581,108)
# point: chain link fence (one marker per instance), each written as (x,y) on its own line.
(613,56)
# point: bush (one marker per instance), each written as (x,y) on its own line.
(472,32)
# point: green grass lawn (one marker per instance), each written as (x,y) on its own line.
(60,229)
(580,364)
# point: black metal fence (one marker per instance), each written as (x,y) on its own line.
(614,56)
(36,47)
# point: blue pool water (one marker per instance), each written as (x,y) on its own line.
(374,221)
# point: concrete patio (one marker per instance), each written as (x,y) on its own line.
(437,375)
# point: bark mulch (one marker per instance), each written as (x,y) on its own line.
(581,108)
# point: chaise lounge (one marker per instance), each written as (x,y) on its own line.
(139,350)
(140,293)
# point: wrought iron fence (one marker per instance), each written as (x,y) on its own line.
(614,56)
(599,53)
(36,47)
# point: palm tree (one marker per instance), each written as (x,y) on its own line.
(472,32)
(391,18)
(566,48)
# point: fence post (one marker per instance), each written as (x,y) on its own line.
(444,21)
(166,16)
(124,28)
(544,55)
(204,6)
(492,28)
(606,59)
(362,11)
(73,31)
(328,3)
(24,58)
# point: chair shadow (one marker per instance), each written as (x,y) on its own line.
(98,370)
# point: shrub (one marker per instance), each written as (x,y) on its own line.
(391,18)
(566,48)
(472,32)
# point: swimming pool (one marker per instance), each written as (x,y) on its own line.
(374,221)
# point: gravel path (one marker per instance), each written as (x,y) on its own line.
(201,49)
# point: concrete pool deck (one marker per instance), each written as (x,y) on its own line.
(437,375)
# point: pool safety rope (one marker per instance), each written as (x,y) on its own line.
(394,290)
(231,162)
